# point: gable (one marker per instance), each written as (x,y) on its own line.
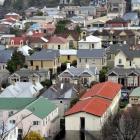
(66,74)
(112,74)
(85,74)
(122,33)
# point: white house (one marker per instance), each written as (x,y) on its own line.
(94,108)
(90,42)
(25,50)
(135,5)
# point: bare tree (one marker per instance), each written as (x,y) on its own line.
(124,126)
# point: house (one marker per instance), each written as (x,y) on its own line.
(44,59)
(68,55)
(27,75)
(134,97)
(72,36)
(116,8)
(5,56)
(12,15)
(98,3)
(57,43)
(135,5)
(39,115)
(127,77)
(75,75)
(127,36)
(94,108)
(117,22)
(22,89)
(132,17)
(94,58)
(123,56)
(25,50)
(61,94)
(90,42)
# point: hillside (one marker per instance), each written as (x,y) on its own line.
(23,4)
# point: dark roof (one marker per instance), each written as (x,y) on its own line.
(114,49)
(44,54)
(123,72)
(102,33)
(56,92)
(117,19)
(87,53)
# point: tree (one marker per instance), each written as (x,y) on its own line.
(124,126)
(39,13)
(17,61)
(33,136)
(102,74)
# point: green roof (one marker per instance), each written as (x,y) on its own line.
(15,103)
(135,92)
(41,107)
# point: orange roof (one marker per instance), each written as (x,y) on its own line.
(106,90)
(57,40)
(96,106)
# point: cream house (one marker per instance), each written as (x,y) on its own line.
(127,77)
(135,5)
(90,42)
(134,97)
(44,59)
(94,108)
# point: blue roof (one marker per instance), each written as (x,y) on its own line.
(35,26)
(135,1)
(131,16)
(5,55)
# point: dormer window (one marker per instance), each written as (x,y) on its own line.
(120,61)
(21,42)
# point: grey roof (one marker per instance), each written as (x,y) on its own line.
(131,16)
(44,54)
(135,1)
(114,49)
(27,72)
(123,72)
(56,92)
(87,53)
(5,55)
(75,72)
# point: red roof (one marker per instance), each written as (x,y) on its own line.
(96,106)
(57,40)
(106,90)
(17,40)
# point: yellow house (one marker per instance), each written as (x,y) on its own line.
(44,59)
(68,55)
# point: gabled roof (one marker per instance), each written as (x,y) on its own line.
(90,39)
(131,16)
(44,54)
(57,40)
(95,106)
(135,92)
(107,90)
(60,91)
(94,53)
(41,107)
(75,72)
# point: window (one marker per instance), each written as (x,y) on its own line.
(10,113)
(37,67)
(61,102)
(58,47)
(86,60)
(31,63)
(80,60)
(12,121)
(35,122)
(68,57)
(120,61)
(130,63)
(92,46)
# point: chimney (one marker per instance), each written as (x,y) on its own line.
(87,66)
(124,42)
(62,85)
(68,65)
(53,81)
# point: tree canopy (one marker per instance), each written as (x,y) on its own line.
(17,61)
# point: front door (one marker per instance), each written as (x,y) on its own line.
(82,123)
